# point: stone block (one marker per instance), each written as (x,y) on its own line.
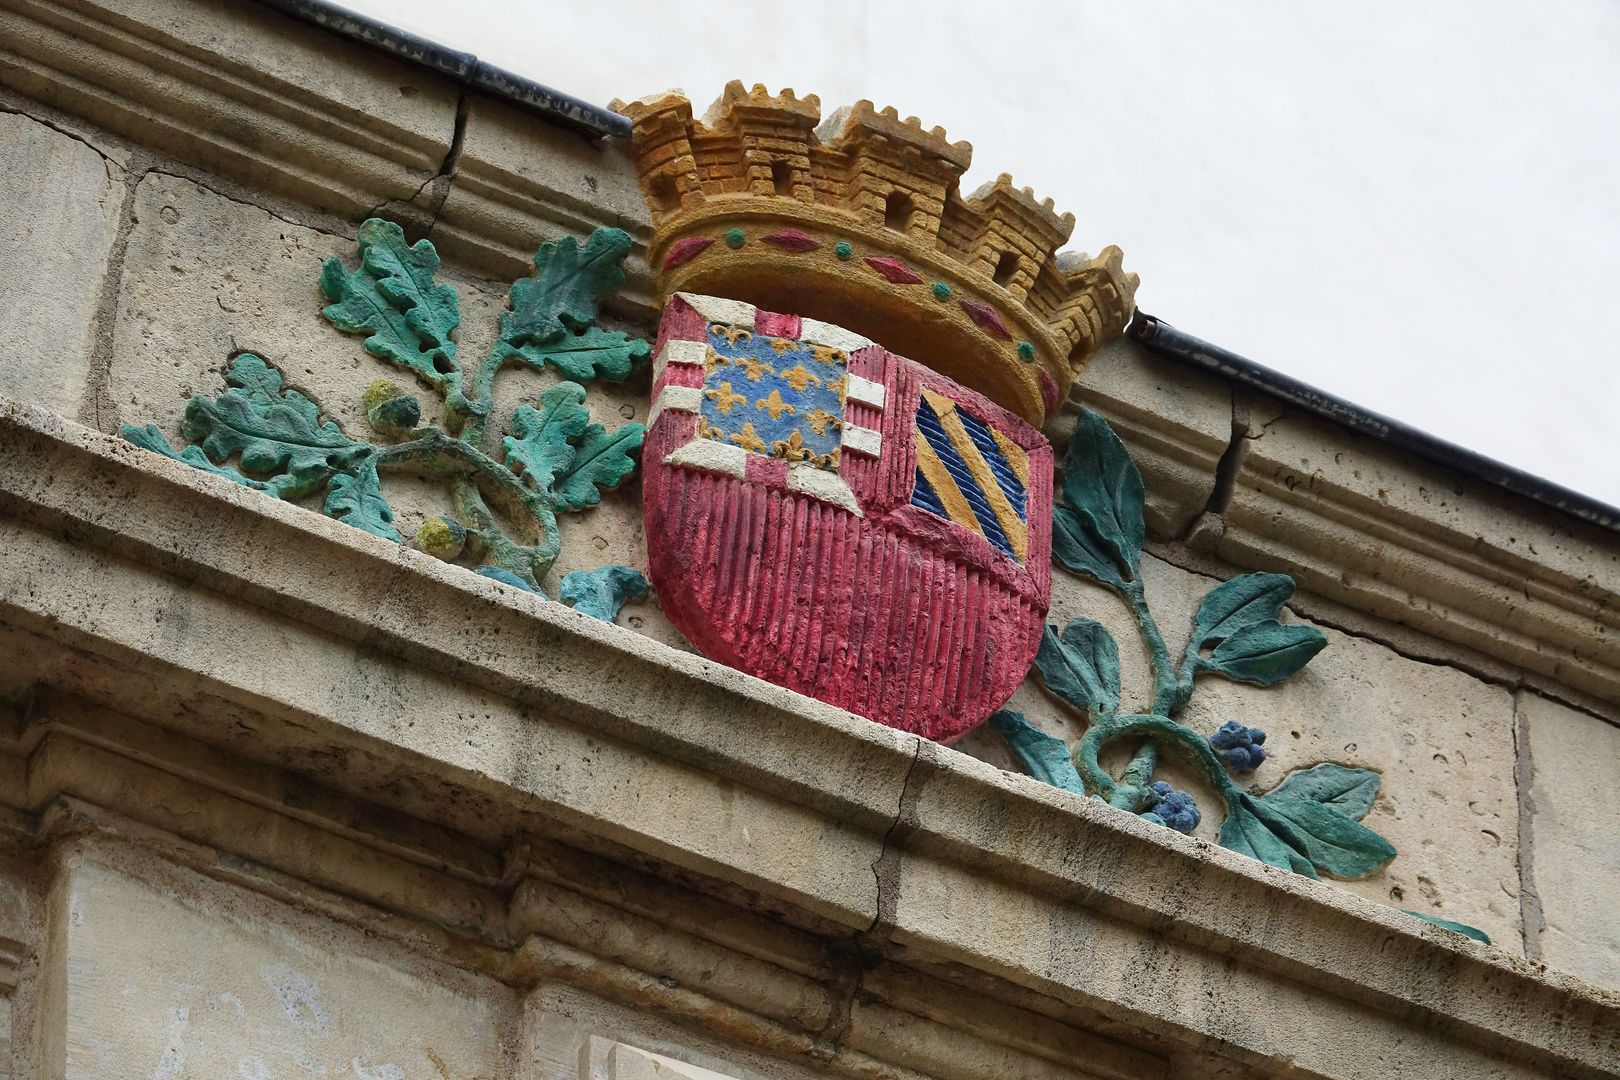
(1176,422)
(1442,740)
(238,89)
(63,201)
(167,975)
(1574,857)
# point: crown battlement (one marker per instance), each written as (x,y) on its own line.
(858,220)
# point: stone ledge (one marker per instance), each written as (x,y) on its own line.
(366,647)
(236,88)
(1406,541)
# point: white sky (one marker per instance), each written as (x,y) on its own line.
(1414,205)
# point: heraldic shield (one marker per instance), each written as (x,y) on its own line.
(833,518)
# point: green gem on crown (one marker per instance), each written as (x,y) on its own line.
(1026,350)
(843,251)
(735,238)
(942,291)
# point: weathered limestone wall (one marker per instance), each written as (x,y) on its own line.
(178,172)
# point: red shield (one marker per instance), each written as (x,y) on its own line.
(842,521)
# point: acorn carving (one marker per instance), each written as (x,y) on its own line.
(392,412)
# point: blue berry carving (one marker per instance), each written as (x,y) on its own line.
(1173,808)
(1240,746)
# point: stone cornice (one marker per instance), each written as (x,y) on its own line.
(255,96)
(1406,541)
(294,641)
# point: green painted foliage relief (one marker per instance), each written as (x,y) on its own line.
(503,515)
(1311,822)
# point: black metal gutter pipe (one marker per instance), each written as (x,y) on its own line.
(464,68)
(1166,340)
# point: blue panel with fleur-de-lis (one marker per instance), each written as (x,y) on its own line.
(774,396)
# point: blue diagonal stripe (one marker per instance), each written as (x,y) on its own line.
(951,457)
(1011,486)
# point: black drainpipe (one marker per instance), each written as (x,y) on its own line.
(464,68)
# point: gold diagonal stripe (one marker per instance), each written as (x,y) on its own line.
(939,478)
(1016,456)
(1011,524)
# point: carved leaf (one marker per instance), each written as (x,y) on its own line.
(601,592)
(593,354)
(392,297)
(1102,491)
(1455,927)
(1297,825)
(1349,791)
(544,445)
(1336,845)
(1238,620)
(150,438)
(602,462)
(1247,600)
(1265,655)
(356,499)
(1044,756)
(276,432)
(1075,545)
(563,292)
(1245,832)
(1080,664)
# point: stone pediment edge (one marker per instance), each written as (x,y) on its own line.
(964,828)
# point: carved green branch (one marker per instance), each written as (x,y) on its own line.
(1311,822)
(503,518)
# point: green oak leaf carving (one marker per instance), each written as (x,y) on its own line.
(544,439)
(392,296)
(601,592)
(602,461)
(276,432)
(356,499)
(150,438)
(562,294)
(592,354)
(555,460)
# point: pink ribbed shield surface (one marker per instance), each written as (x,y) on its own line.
(842,521)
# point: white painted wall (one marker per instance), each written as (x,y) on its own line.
(1415,206)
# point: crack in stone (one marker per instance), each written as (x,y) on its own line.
(854,957)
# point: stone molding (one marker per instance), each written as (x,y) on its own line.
(295,651)
(343,129)
(239,89)
(1403,540)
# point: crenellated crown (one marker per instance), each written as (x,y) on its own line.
(858,221)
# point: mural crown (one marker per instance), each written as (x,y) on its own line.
(858,221)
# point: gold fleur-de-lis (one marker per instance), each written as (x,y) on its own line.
(707,430)
(798,376)
(748,438)
(837,386)
(827,461)
(782,344)
(725,398)
(755,368)
(732,334)
(828,355)
(714,360)
(792,448)
(821,419)
(775,405)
